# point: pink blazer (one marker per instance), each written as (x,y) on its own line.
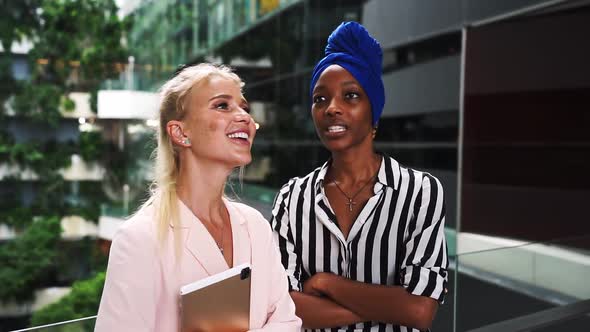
(143,282)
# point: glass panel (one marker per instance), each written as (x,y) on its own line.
(526,137)
(499,284)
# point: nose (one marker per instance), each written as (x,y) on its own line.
(243,116)
(333,108)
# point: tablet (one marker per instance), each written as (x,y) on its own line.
(220,302)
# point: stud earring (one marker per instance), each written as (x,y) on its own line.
(187,141)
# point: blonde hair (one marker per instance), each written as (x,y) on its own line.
(173,106)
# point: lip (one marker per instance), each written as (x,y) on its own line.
(335,134)
(240,141)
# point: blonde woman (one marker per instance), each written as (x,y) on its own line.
(187,230)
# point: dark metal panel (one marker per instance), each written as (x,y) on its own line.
(423,88)
(399,22)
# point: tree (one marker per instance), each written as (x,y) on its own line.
(26,259)
(76,45)
(19,20)
(82,301)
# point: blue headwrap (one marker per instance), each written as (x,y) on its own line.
(351,47)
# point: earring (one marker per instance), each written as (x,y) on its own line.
(186,141)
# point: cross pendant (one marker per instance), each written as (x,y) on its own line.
(350,204)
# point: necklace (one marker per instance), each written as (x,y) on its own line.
(350,199)
(210,228)
(220,245)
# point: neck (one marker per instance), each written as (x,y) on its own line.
(200,186)
(354,165)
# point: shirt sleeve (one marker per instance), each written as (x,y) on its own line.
(130,294)
(283,237)
(424,266)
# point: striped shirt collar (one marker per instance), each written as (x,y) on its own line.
(388,176)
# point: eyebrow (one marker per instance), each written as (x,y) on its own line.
(347,83)
(226,96)
(221,96)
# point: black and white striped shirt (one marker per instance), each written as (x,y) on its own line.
(397,239)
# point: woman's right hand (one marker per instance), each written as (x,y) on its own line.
(316,284)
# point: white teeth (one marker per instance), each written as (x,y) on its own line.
(238,135)
(336,129)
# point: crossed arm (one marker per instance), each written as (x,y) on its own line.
(330,300)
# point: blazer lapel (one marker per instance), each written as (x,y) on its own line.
(242,242)
(200,243)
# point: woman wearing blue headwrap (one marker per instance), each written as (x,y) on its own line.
(362,237)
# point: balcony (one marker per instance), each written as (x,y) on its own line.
(79,170)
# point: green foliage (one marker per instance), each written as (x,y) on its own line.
(68,104)
(91,145)
(56,202)
(6,143)
(40,102)
(56,155)
(87,32)
(53,195)
(19,19)
(45,159)
(8,85)
(18,217)
(77,44)
(81,37)
(26,259)
(94,100)
(90,212)
(87,255)
(82,301)
(25,154)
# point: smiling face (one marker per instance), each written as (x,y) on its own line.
(341,111)
(218,123)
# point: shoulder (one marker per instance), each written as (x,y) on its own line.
(139,229)
(247,211)
(296,184)
(418,178)
(427,189)
(253,218)
(428,181)
(135,245)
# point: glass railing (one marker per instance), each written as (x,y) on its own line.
(491,279)
(519,279)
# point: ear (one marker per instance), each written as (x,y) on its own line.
(175,130)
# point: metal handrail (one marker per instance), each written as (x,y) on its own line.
(56,324)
